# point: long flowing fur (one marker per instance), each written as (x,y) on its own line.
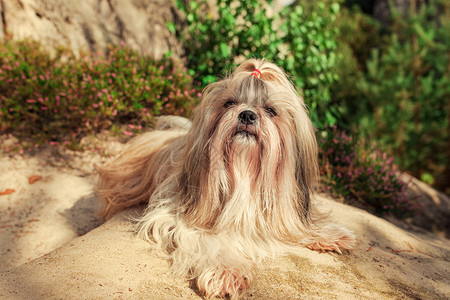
(226,193)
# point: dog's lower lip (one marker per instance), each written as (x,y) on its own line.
(245,133)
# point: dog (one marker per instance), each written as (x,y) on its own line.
(231,188)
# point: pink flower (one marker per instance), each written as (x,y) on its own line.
(44,107)
(114,112)
(31,100)
(127,133)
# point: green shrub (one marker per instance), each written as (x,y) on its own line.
(300,39)
(407,92)
(62,97)
(394,88)
(358,35)
(362,175)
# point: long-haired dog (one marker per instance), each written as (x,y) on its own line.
(234,188)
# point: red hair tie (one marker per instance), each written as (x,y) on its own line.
(256,75)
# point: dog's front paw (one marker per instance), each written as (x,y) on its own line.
(224,282)
(333,238)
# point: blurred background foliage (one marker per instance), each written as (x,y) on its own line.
(394,85)
(376,87)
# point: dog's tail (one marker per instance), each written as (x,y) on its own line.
(130,178)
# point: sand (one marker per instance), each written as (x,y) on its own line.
(53,245)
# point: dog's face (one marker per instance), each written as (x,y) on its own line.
(249,132)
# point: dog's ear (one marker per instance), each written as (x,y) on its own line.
(199,186)
(197,208)
(307,170)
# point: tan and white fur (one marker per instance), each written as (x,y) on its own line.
(230,189)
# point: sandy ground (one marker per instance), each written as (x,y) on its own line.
(47,198)
(53,245)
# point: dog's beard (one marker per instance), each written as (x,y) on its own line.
(249,168)
(242,155)
(234,152)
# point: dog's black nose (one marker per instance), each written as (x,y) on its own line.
(247,117)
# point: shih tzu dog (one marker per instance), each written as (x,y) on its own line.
(231,188)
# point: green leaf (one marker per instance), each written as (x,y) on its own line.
(224,50)
(208,79)
(171,27)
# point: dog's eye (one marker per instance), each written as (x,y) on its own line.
(229,103)
(271,111)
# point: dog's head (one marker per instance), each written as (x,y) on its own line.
(250,132)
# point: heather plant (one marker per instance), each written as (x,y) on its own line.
(363,176)
(62,97)
(299,38)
